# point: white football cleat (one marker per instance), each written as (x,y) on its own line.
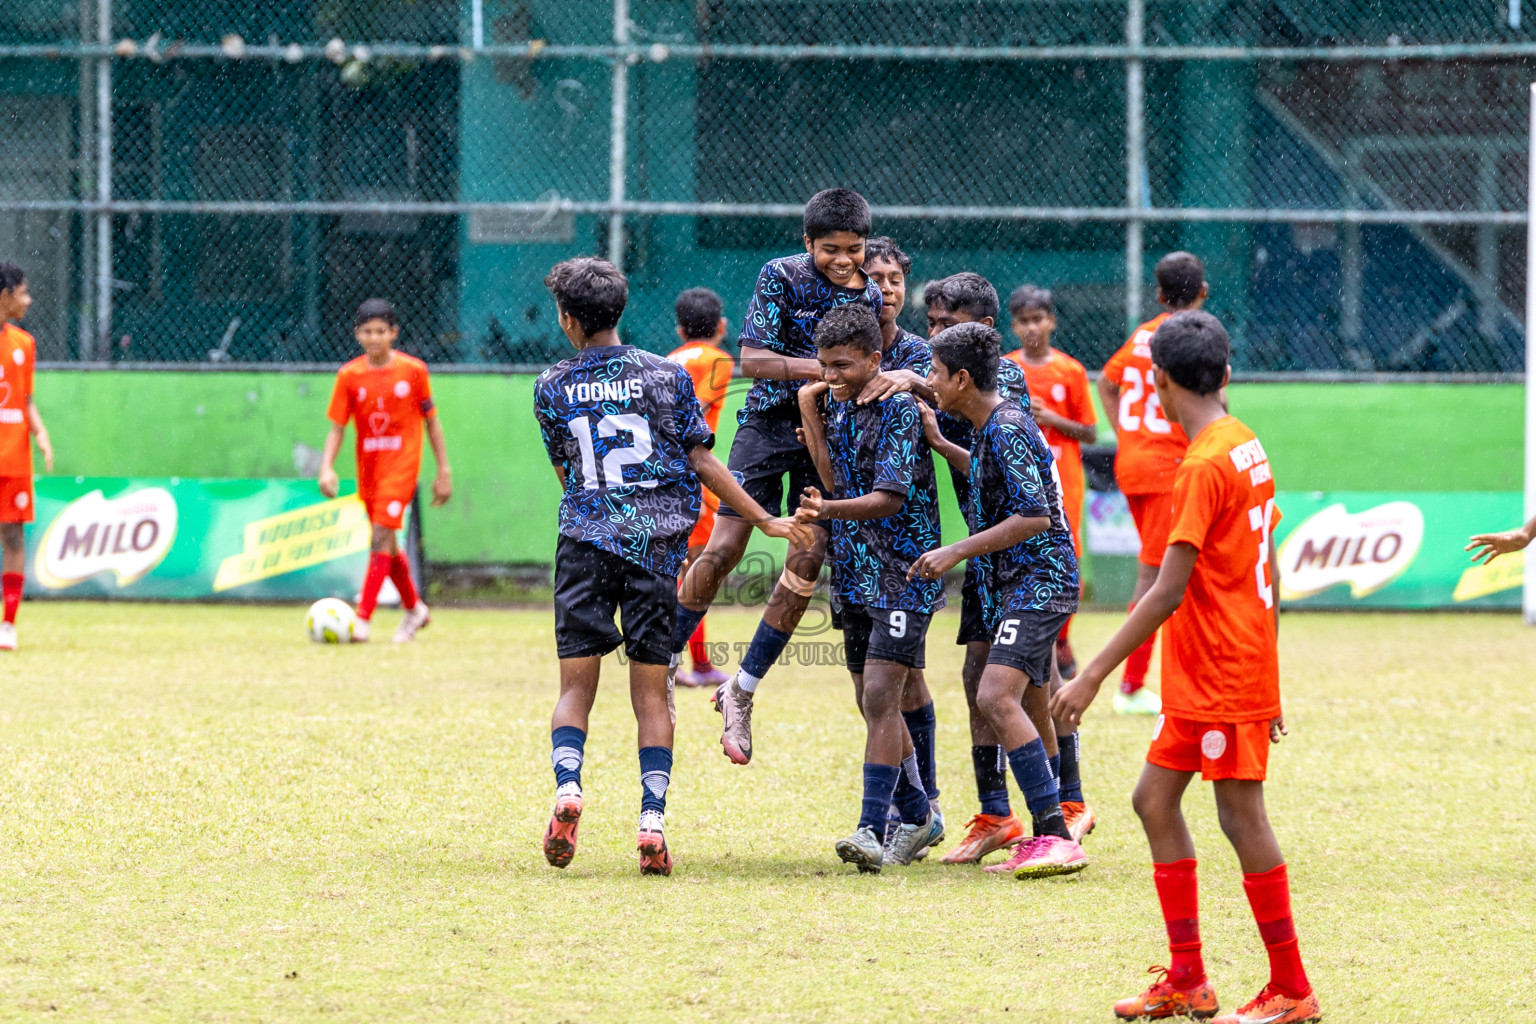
(415,618)
(360,631)
(7,636)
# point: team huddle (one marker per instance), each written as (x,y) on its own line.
(834,452)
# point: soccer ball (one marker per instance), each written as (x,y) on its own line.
(330,621)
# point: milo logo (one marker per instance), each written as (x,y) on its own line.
(127,536)
(1367,550)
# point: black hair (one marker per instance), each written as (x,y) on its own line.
(590,289)
(11,276)
(965,292)
(836,209)
(1193,349)
(886,248)
(376,309)
(1027,297)
(698,313)
(854,325)
(1180,276)
(971,347)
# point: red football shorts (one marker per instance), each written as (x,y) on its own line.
(16,499)
(386,506)
(1215,750)
(1153,515)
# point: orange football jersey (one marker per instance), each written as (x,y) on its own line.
(18,355)
(1060,384)
(1220,654)
(711,371)
(1149,448)
(389,405)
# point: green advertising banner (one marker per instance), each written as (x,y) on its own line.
(1373,549)
(183,539)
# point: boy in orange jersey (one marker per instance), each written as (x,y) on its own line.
(1148,451)
(701,328)
(389,396)
(1062,406)
(1219,592)
(19,420)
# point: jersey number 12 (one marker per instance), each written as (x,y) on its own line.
(614,462)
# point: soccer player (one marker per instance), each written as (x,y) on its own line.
(1218,590)
(1148,451)
(970,298)
(629,445)
(884,512)
(19,422)
(1026,572)
(777,350)
(389,396)
(701,329)
(1060,402)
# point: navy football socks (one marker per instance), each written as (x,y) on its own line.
(991,783)
(922,724)
(1032,771)
(879,787)
(655,776)
(767,644)
(569,743)
(1071,768)
(911,802)
(687,621)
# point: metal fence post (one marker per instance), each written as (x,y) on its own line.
(1135,159)
(619,137)
(103,347)
(1528,594)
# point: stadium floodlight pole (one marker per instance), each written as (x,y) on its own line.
(104,182)
(1135,159)
(1528,591)
(617,147)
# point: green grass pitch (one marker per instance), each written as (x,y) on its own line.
(207,818)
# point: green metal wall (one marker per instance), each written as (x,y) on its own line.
(1320,437)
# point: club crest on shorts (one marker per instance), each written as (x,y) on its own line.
(1213,744)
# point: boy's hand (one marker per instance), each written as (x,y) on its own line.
(1491,545)
(800,436)
(811,506)
(792,530)
(930,420)
(442,488)
(330,483)
(1072,700)
(1277,728)
(45,446)
(934,564)
(885,384)
(810,392)
(1048,419)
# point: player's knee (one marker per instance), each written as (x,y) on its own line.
(13,538)
(1148,805)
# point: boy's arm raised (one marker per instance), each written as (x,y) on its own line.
(813,430)
(959,458)
(1151,611)
(713,474)
(761,364)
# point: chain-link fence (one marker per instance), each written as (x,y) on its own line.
(212,182)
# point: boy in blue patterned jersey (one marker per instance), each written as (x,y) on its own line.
(630,446)
(777,349)
(1021,549)
(884,514)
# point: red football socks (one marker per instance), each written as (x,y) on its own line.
(1269,894)
(1136,665)
(1179,895)
(400,572)
(696,649)
(12,582)
(378,568)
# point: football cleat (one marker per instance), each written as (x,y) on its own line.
(902,845)
(7,636)
(1273,1007)
(560,836)
(360,631)
(1051,855)
(652,844)
(1079,818)
(938,815)
(416,618)
(862,849)
(1162,1000)
(985,833)
(710,676)
(1142,702)
(735,707)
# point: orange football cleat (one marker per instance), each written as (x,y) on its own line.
(1162,1000)
(985,833)
(1079,818)
(1273,1007)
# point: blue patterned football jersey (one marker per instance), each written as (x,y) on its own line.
(1013,473)
(958,429)
(880,447)
(907,352)
(790,299)
(622,423)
